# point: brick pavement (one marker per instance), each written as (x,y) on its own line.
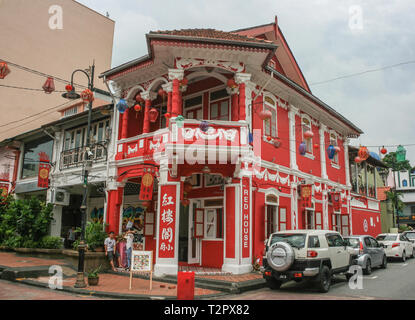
(12,260)
(232,278)
(120,284)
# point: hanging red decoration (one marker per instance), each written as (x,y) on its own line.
(316,146)
(308,134)
(87,95)
(167,115)
(44,169)
(49,85)
(383,150)
(357,159)
(185,202)
(232,83)
(265,114)
(68,87)
(269,138)
(363,153)
(337,149)
(153,115)
(162,93)
(187,187)
(137,108)
(184,83)
(4,70)
(139,99)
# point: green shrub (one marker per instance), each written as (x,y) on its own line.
(49,242)
(94,236)
(30,244)
(24,222)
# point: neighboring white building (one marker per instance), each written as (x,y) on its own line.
(405,183)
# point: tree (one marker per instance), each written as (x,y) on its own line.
(396,198)
(391,162)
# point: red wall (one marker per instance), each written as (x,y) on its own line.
(358,218)
(212,254)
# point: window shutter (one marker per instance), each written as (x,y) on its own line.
(149,224)
(199,223)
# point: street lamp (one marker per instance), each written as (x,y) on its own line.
(72,95)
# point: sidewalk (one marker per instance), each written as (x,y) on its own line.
(35,271)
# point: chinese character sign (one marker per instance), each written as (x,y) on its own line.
(245,217)
(306,195)
(146,190)
(336,200)
(167,221)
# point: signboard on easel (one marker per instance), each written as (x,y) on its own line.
(142,261)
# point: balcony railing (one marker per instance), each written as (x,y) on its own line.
(76,157)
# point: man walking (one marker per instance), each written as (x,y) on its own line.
(110,249)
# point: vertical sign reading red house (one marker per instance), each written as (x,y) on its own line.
(167,221)
(245,217)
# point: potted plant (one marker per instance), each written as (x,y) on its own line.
(93,276)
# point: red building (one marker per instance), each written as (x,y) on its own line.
(219,119)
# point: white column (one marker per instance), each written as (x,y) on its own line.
(325,206)
(56,224)
(293,148)
(346,162)
(322,131)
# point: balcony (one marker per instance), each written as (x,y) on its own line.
(75,157)
(222,137)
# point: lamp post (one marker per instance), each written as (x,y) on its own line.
(72,95)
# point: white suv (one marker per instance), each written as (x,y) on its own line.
(305,254)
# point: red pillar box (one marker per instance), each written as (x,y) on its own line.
(185,285)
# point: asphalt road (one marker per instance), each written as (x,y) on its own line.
(396,282)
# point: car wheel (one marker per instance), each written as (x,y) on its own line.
(273,284)
(368,269)
(403,256)
(324,280)
(384,263)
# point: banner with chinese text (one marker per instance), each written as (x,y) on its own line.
(167,220)
(306,195)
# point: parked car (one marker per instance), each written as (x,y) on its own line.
(396,245)
(411,236)
(305,254)
(370,253)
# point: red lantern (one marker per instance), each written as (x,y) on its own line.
(316,146)
(49,86)
(184,82)
(308,134)
(87,95)
(139,99)
(4,70)
(363,153)
(265,114)
(185,202)
(357,159)
(269,138)
(232,84)
(383,151)
(68,88)
(187,187)
(137,108)
(162,93)
(153,114)
(167,115)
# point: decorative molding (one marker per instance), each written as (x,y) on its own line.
(176,74)
(187,63)
(211,134)
(242,77)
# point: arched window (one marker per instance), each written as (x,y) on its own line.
(306,126)
(270,125)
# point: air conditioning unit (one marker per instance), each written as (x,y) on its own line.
(60,197)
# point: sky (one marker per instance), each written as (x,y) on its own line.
(329,39)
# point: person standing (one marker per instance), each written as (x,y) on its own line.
(110,249)
(130,238)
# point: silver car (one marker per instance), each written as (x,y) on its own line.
(370,253)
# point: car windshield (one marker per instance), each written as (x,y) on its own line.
(410,235)
(388,237)
(352,242)
(297,240)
